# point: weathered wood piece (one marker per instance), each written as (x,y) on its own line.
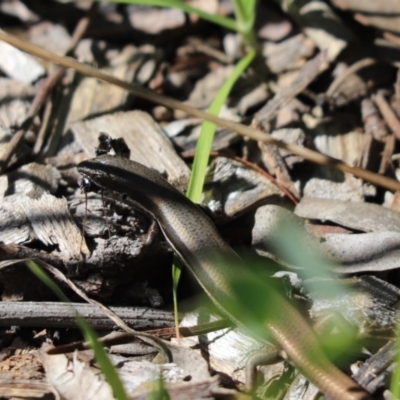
(228,349)
(126,248)
(338,142)
(12,114)
(15,227)
(31,179)
(53,225)
(366,217)
(28,388)
(10,88)
(305,76)
(378,369)
(232,188)
(148,143)
(355,253)
(366,302)
(289,54)
(63,315)
(19,65)
(321,24)
(28,212)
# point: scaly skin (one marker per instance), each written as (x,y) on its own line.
(209,258)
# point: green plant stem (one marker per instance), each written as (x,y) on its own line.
(245,17)
(206,138)
(176,275)
(201,158)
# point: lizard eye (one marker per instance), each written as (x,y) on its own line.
(87,185)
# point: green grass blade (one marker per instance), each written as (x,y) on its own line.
(158,392)
(176,275)
(89,334)
(203,149)
(245,12)
(225,22)
(206,138)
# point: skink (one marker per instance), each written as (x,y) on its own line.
(195,239)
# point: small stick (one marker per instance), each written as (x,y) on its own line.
(388,114)
(146,94)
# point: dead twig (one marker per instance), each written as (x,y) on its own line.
(101,307)
(63,315)
(244,130)
(388,114)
